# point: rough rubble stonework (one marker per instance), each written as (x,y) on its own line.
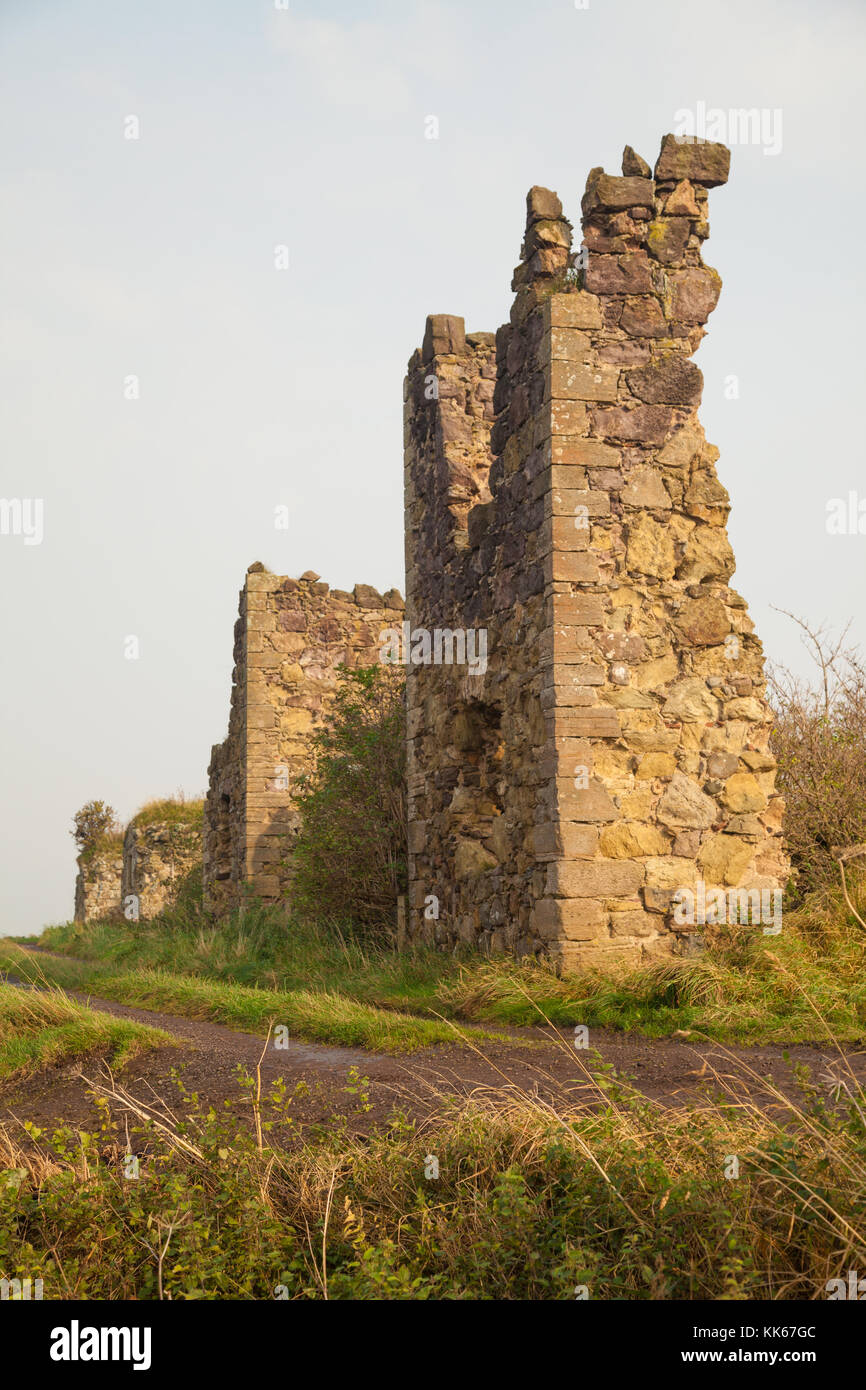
(157,856)
(149,860)
(561,495)
(97,883)
(290,637)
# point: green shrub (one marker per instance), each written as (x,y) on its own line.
(95,828)
(350,856)
(819,739)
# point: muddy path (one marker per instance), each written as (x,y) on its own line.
(208,1057)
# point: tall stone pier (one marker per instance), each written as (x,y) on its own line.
(587,724)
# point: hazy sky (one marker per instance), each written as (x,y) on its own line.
(154,258)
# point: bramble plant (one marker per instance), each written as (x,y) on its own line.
(350,856)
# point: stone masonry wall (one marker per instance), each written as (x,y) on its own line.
(224,843)
(290,637)
(156,858)
(97,884)
(615,749)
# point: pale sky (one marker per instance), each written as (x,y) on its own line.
(260,127)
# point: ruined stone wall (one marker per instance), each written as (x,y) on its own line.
(97,883)
(474,735)
(224,841)
(157,857)
(615,749)
(291,636)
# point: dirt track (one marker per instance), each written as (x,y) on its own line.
(669,1071)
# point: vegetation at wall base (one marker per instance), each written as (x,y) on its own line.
(349,861)
(819,740)
(745,988)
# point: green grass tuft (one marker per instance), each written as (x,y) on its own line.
(171,811)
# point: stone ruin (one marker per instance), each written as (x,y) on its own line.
(290,637)
(97,882)
(586,718)
(147,862)
(561,497)
(157,857)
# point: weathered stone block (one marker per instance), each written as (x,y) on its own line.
(693,294)
(633,165)
(667,238)
(670,380)
(444,333)
(640,424)
(578,310)
(472,859)
(703,622)
(691,701)
(566,533)
(572,566)
(643,318)
(650,547)
(578,382)
(567,417)
(585,453)
(701,161)
(685,805)
(612,193)
(627,274)
(576,502)
(568,345)
(632,841)
(582,920)
(592,803)
(594,878)
(743,793)
(645,488)
(724,859)
(577,610)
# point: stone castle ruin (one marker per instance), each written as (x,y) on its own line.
(587,729)
(136,873)
(97,881)
(561,495)
(290,637)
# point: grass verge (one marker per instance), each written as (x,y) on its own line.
(40,1029)
(316,1015)
(800,986)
